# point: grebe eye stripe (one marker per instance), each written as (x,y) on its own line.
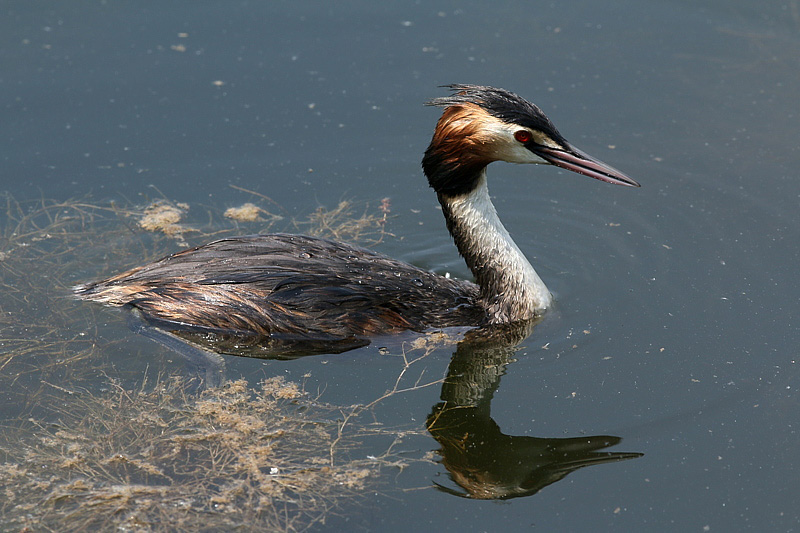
(523,136)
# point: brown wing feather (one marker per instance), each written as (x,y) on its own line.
(290,284)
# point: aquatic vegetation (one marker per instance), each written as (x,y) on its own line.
(162,216)
(158,459)
(341,224)
(247,212)
(84,445)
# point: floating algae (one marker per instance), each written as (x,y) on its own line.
(77,453)
(250,212)
(156,459)
(162,216)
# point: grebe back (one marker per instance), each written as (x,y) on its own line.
(301,287)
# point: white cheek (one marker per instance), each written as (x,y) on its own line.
(506,148)
(516,153)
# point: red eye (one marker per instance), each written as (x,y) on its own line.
(523,136)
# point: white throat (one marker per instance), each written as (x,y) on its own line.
(511,288)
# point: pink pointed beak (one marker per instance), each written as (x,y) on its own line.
(577,161)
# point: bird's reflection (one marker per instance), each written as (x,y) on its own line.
(485,462)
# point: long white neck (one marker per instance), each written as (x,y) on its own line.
(509,286)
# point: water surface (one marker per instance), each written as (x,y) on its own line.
(675,324)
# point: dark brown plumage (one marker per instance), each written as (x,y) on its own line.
(294,285)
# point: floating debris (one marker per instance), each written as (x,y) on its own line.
(266,458)
(250,212)
(162,216)
(78,454)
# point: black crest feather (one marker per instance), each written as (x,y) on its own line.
(454,173)
(500,103)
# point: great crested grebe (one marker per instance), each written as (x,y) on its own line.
(295,286)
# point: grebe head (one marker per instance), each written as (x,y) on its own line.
(483,124)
